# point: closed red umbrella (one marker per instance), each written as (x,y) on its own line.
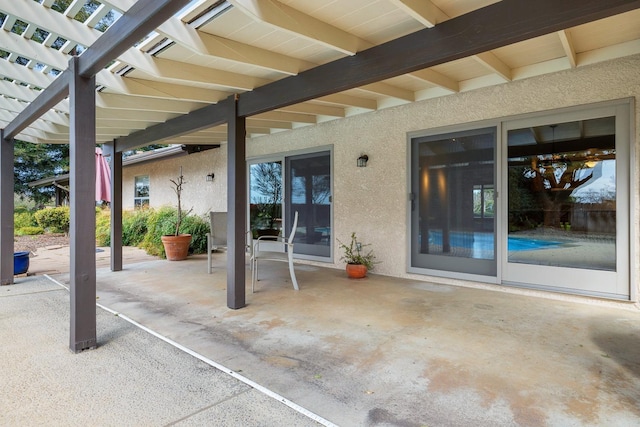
(103,178)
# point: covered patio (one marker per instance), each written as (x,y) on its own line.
(385,351)
(265,77)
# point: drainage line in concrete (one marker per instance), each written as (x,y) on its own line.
(216,365)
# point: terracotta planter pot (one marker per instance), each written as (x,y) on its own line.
(176,247)
(356,271)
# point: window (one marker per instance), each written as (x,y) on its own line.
(483,203)
(141,191)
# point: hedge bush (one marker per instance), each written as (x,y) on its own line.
(24,218)
(29,231)
(145,228)
(103,227)
(54,220)
(134,226)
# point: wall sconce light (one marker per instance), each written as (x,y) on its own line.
(210,177)
(362,161)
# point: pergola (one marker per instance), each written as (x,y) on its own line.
(207,71)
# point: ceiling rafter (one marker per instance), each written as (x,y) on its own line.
(219,47)
(157,89)
(315,109)
(106,100)
(189,73)
(12,106)
(569,49)
(287,117)
(131,86)
(97,16)
(423,11)
(210,45)
(42,125)
(436,79)
(286,18)
(134,115)
(389,90)
(74,8)
(349,100)
(172,71)
(494,64)
(9,22)
(429,15)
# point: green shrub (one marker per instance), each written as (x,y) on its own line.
(198,228)
(134,226)
(29,231)
(103,227)
(145,227)
(162,222)
(54,220)
(20,209)
(23,219)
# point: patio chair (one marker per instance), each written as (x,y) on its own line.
(271,248)
(217,238)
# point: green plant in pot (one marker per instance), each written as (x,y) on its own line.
(358,260)
(176,245)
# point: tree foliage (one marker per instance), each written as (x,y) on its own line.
(37,161)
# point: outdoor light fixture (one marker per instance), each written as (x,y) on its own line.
(210,177)
(362,161)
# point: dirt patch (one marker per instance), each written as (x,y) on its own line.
(31,243)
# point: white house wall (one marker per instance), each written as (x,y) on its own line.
(372,201)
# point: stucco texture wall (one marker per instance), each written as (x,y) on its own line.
(372,201)
(197,194)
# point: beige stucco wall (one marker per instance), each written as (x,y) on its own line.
(198,194)
(373,201)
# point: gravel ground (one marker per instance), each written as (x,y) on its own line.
(31,243)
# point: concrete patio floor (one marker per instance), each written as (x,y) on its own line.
(394,352)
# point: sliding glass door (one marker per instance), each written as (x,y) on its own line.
(553,213)
(567,203)
(309,193)
(280,186)
(453,202)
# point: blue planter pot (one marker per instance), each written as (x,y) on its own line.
(20,262)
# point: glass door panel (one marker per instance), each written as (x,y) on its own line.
(265,198)
(308,179)
(453,208)
(562,195)
(566,204)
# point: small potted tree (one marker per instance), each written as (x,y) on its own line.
(358,261)
(176,245)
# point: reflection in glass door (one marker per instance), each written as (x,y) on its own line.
(308,179)
(265,198)
(564,228)
(453,206)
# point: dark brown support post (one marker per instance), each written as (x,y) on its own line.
(6,210)
(236,206)
(115,162)
(83,215)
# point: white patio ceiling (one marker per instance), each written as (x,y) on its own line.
(213,49)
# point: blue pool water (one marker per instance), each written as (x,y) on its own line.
(484,241)
(525,244)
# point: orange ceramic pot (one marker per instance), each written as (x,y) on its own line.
(176,247)
(356,271)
